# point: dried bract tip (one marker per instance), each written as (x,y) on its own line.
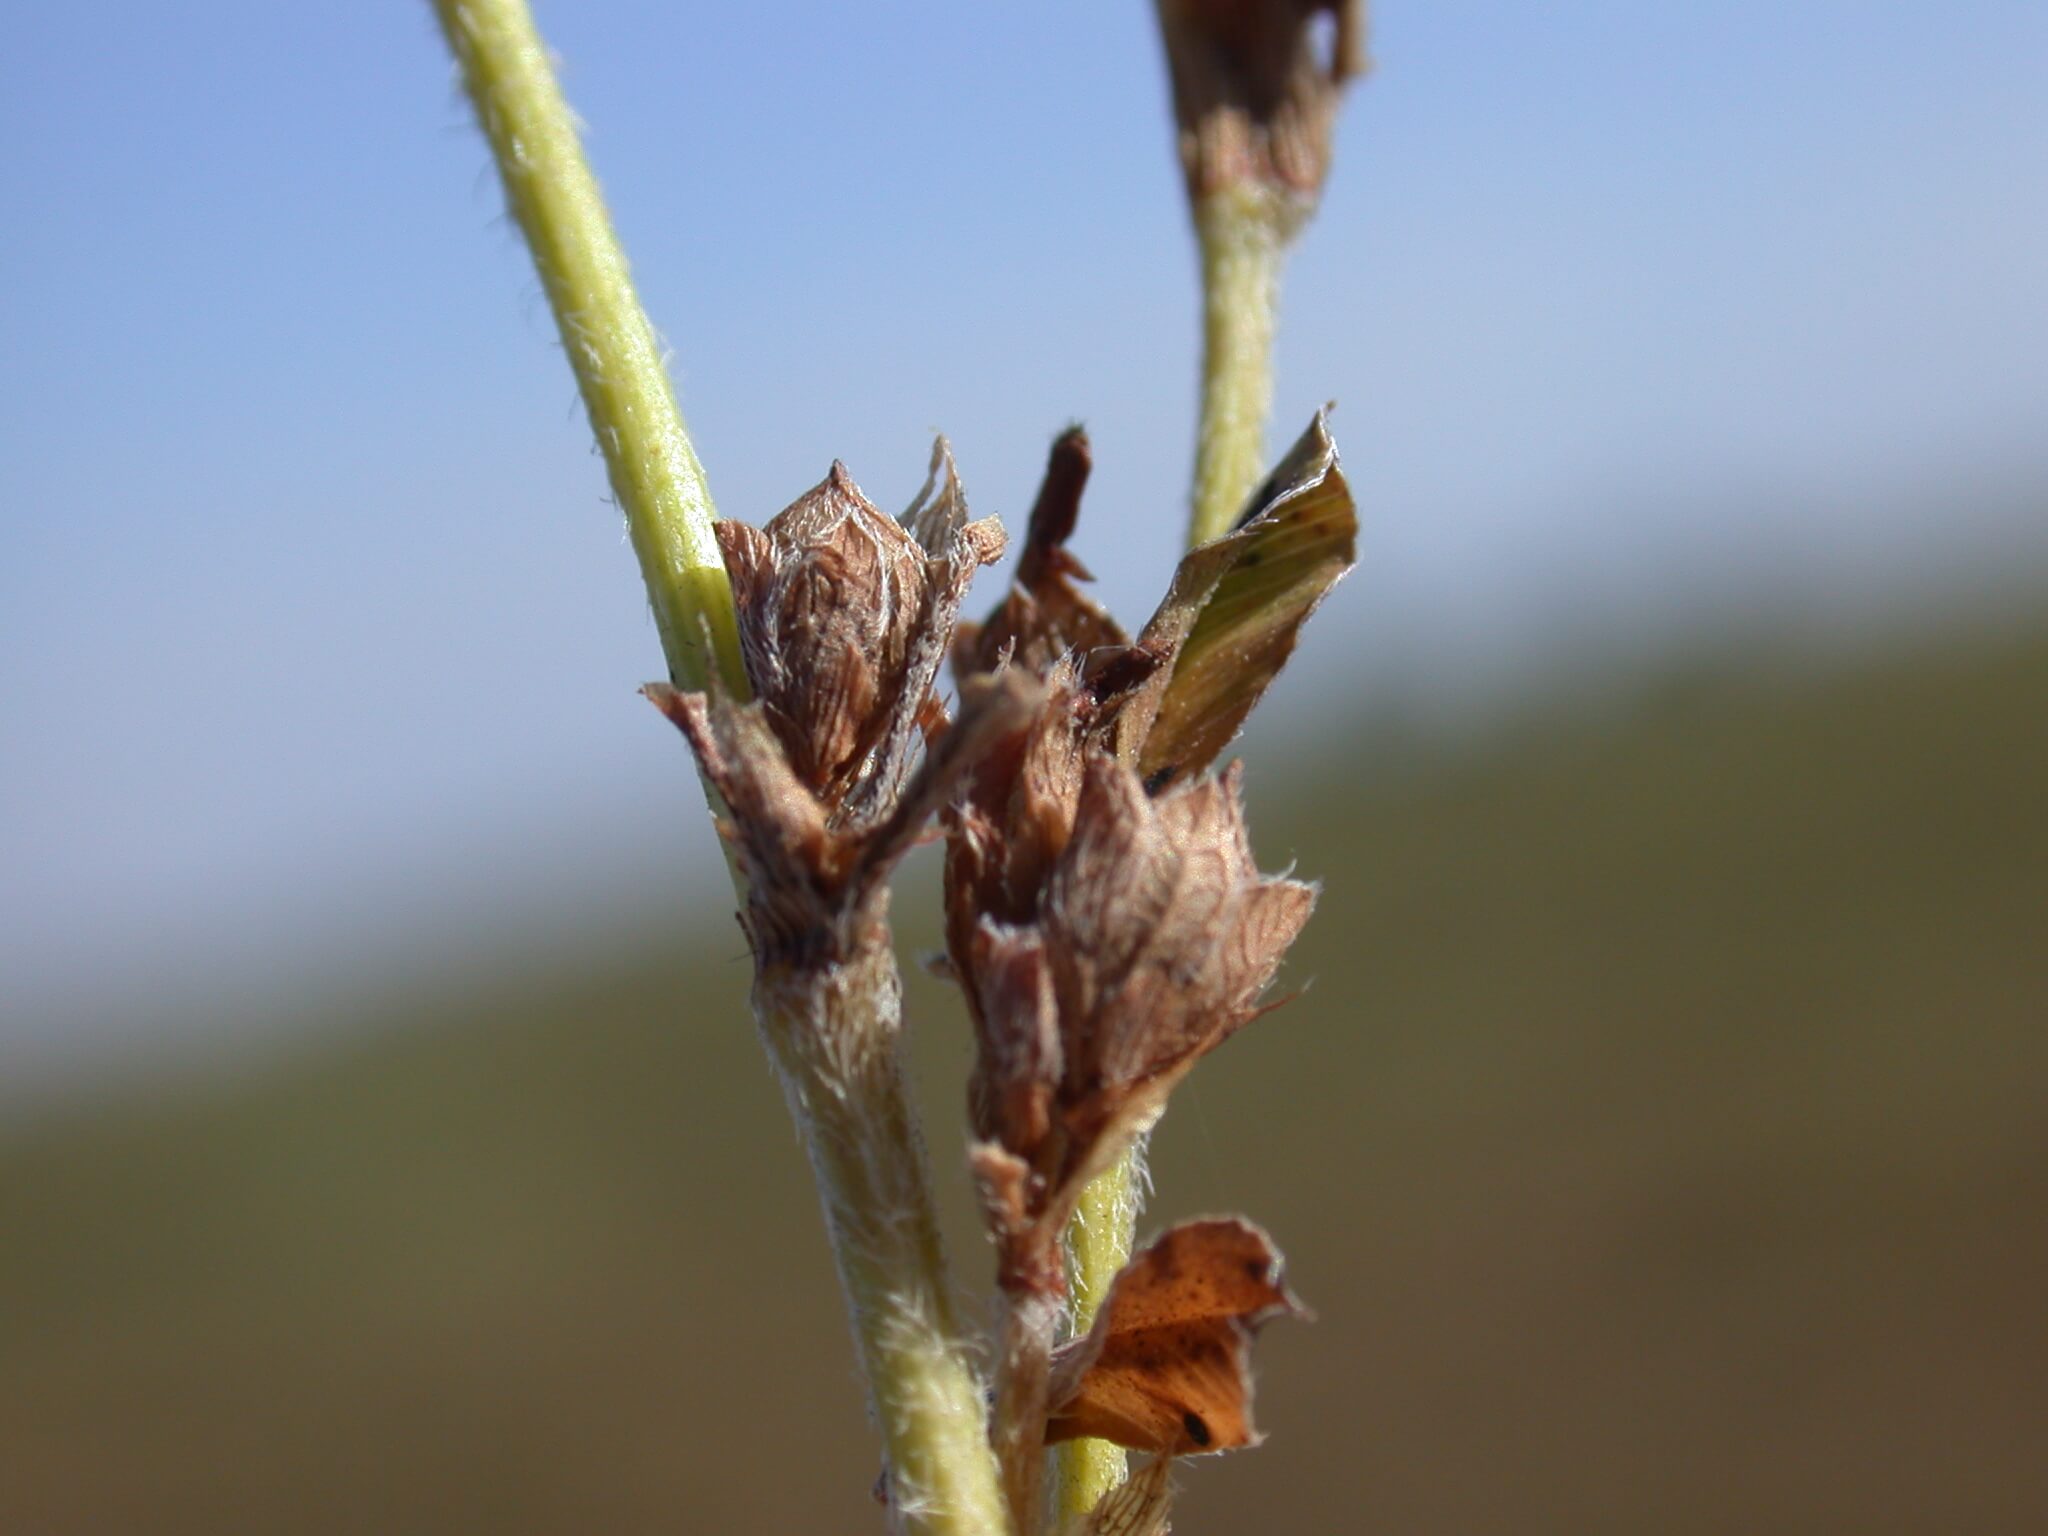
(1235,610)
(1167,1366)
(1254,101)
(1045,615)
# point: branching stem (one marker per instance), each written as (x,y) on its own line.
(834,1032)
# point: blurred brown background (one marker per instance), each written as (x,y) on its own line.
(1660,1137)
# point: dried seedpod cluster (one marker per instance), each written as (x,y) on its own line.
(1105,920)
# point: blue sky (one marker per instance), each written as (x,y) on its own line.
(318,642)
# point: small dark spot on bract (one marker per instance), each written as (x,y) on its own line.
(1256,1268)
(1197,1430)
(1160,777)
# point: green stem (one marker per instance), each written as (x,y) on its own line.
(1099,1242)
(654,472)
(1242,230)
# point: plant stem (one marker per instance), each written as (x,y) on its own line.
(1099,1240)
(1024,1345)
(655,476)
(834,1034)
(1242,230)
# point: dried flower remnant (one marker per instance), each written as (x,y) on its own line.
(1045,615)
(1165,705)
(845,616)
(1156,939)
(1253,101)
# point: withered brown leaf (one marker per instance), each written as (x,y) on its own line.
(1167,1366)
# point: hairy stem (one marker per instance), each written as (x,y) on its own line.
(1242,231)
(1030,1328)
(552,195)
(834,1032)
(1099,1240)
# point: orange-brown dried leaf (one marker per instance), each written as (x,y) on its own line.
(1167,1366)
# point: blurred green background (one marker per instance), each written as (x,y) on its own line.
(1660,1137)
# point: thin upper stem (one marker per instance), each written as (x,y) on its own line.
(1243,243)
(655,475)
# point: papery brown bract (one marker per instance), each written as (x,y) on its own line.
(809,883)
(1167,1366)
